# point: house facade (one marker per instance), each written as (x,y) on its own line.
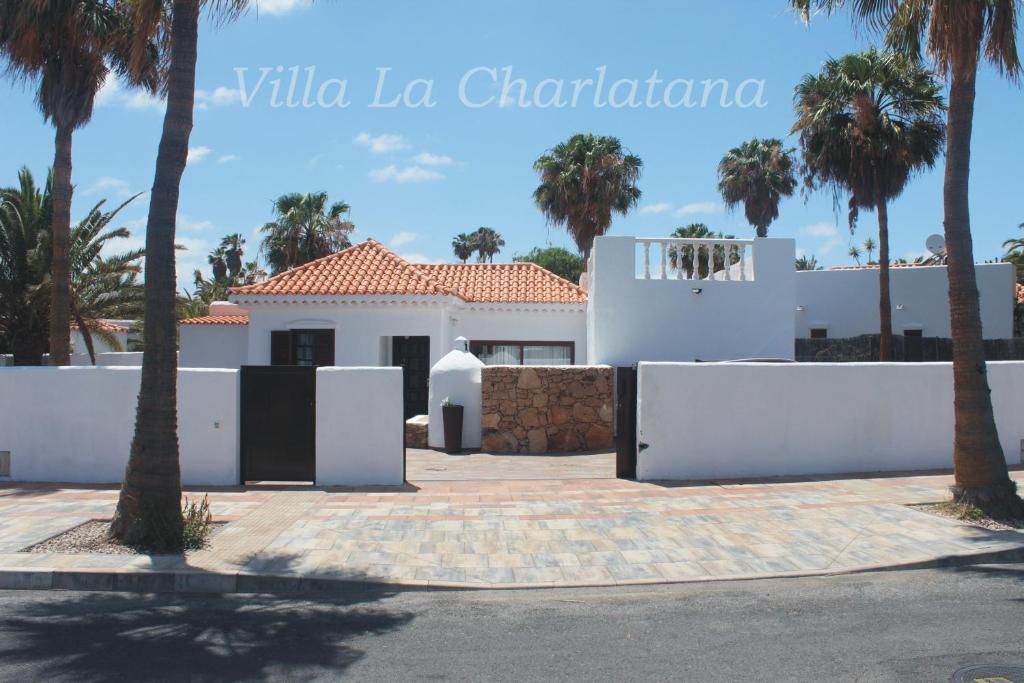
(645,300)
(366,306)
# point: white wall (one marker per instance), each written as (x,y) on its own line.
(75,424)
(703,421)
(110,358)
(360,430)
(214,346)
(846,301)
(632,319)
(357,328)
(98,344)
(523,323)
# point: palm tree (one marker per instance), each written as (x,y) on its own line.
(219,266)
(305,228)
(757,174)
(463,246)
(807,263)
(68,49)
(234,249)
(869,248)
(867,122)
(24,267)
(957,34)
(101,287)
(488,243)
(149,507)
(683,256)
(1014,245)
(582,181)
(854,253)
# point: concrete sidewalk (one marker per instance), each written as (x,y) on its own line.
(492,534)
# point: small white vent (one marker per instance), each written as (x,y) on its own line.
(5,463)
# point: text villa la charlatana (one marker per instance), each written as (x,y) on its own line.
(485,86)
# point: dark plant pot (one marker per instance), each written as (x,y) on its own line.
(452,428)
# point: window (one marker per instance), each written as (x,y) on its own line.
(311,348)
(524,353)
(819,333)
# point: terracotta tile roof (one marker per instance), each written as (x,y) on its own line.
(1020,293)
(505,283)
(101,325)
(371,268)
(217,320)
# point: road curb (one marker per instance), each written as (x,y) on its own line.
(203,582)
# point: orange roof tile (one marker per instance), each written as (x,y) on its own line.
(505,283)
(101,325)
(371,268)
(217,320)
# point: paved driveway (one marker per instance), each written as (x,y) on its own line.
(430,465)
(529,532)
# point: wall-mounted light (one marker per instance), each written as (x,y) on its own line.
(800,308)
(696,290)
(899,307)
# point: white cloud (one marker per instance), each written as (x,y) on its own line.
(698,207)
(187,224)
(428,159)
(829,245)
(144,100)
(822,229)
(315,160)
(657,207)
(225,158)
(111,93)
(403,238)
(218,97)
(416,258)
(383,143)
(106,183)
(409,174)
(197,154)
(279,7)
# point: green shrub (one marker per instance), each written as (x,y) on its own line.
(198,523)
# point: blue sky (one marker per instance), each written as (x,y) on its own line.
(416,176)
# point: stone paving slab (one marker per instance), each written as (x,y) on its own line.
(510,534)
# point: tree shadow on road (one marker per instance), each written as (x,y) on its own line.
(116,636)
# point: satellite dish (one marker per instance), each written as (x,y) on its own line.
(936,244)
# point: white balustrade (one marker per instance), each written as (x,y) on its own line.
(719,259)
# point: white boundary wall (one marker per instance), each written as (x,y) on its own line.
(360,427)
(75,424)
(705,421)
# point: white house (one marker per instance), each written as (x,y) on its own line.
(366,306)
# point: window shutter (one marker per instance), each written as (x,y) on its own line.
(323,353)
(280,347)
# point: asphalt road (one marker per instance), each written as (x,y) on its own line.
(898,626)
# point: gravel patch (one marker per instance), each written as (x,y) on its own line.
(946,510)
(93,538)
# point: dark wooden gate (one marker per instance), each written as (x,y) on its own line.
(625,419)
(278,423)
(413,355)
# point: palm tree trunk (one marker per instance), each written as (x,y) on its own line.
(60,229)
(149,508)
(884,298)
(981,476)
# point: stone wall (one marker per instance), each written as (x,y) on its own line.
(546,409)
